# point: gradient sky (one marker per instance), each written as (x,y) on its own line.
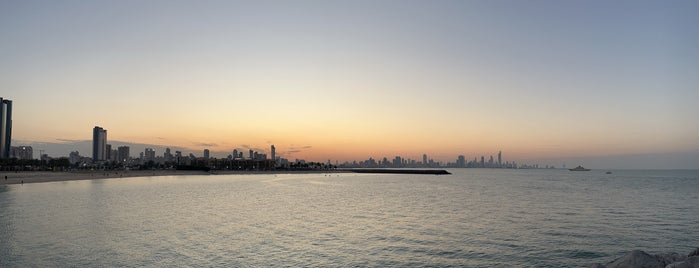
(347,80)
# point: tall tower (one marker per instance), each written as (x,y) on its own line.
(206,153)
(274,153)
(499,158)
(99,144)
(5,127)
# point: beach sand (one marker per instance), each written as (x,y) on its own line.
(49,176)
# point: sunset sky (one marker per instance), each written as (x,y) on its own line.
(348,80)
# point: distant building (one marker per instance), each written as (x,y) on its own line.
(99,144)
(252,154)
(5,127)
(22,152)
(149,155)
(167,155)
(397,162)
(274,153)
(424,159)
(114,155)
(461,161)
(123,154)
(235,154)
(499,158)
(206,153)
(74,157)
(108,152)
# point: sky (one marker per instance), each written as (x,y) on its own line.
(349,80)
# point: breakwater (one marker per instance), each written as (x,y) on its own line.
(399,171)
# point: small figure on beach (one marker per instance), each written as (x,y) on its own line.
(5,177)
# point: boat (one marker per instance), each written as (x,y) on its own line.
(609,172)
(579,168)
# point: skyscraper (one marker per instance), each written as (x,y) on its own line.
(206,153)
(274,153)
(461,161)
(108,152)
(99,144)
(499,158)
(5,127)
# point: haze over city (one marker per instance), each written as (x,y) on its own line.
(351,80)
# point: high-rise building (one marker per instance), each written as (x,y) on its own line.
(114,155)
(99,144)
(74,157)
(22,152)
(424,159)
(167,155)
(149,155)
(108,152)
(499,158)
(461,161)
(123,153)
(274,153)
(235,153)
(5,127)
(206,153)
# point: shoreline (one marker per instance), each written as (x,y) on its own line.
(21,177)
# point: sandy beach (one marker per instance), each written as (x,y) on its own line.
(48,176)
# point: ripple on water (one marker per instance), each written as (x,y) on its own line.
(474,218)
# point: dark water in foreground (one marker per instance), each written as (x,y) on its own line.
(474,218)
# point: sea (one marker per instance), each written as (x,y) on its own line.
(472,218)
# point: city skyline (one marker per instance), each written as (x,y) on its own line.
(334,80)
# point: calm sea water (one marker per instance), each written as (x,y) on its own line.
(474,218)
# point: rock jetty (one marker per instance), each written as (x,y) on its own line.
(641,259)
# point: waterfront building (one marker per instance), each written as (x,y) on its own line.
(499,158)
(108,152)
(206,153)
(99,144)
(113,155)
(461,161)
(149,155)
(274,153)
(5,127)
(167,155)
(123,154)
(22,152)
(74,157)
(397,162)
